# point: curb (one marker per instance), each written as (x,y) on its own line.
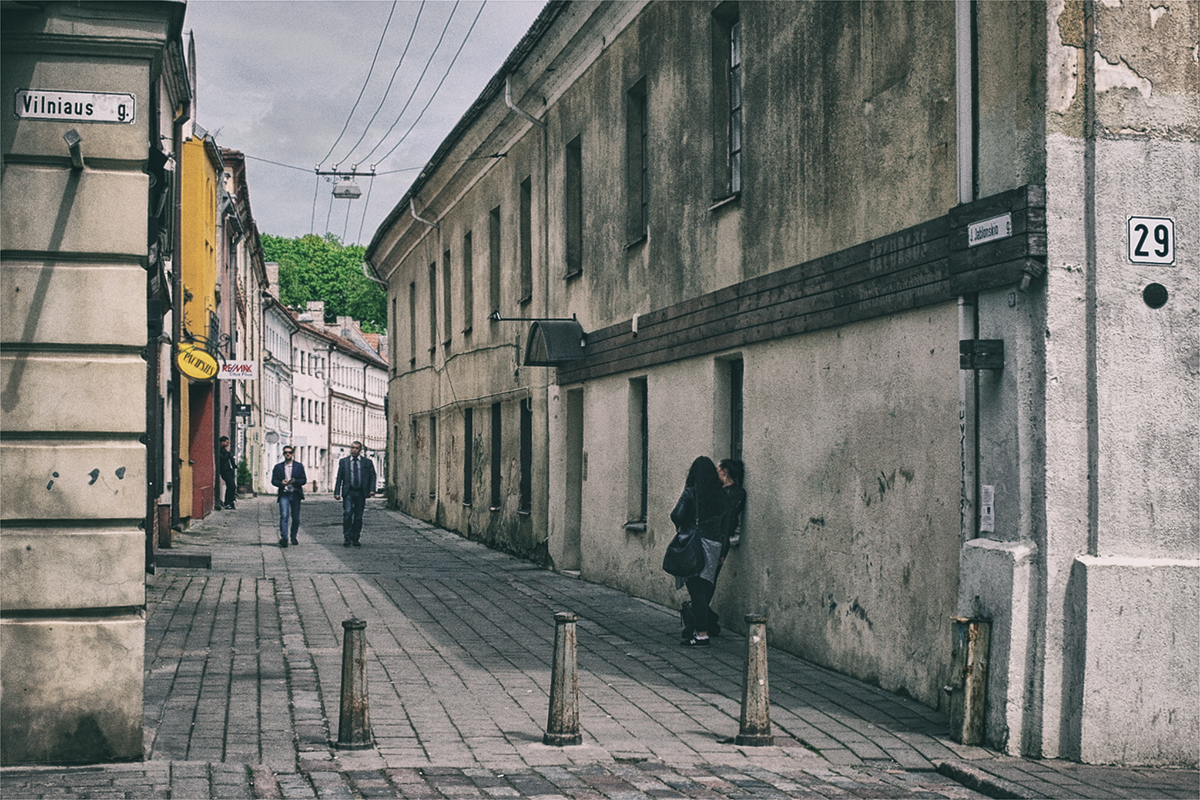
(984,783)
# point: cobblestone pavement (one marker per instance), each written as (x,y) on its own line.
(243,681)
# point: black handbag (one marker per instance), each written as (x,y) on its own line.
(685,554)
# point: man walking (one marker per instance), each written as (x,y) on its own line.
(228,469)
(289,476)
(356,476)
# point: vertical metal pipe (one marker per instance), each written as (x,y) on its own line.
(562,724)
(354,726)
(756,698)
(964,71)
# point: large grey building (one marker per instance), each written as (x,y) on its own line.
(929,269)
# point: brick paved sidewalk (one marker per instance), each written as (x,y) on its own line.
(243,670)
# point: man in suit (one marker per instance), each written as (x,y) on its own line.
(355,483)
(289,477)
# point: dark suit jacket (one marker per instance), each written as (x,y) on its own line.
(366,476)
(298,477)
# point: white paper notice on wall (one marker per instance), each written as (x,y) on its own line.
(987,509)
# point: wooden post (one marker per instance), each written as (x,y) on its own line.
(756,697)
(562,725)
(968,679)
(354,727)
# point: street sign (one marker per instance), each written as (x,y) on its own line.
(50,105)
(1152,240)
(989,230)
(242,410)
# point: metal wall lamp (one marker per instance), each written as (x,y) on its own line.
(551,341)
(74,142)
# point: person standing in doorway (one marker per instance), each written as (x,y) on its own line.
(355,483)
(289,477)
(228,469)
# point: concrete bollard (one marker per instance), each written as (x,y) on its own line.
(354,726)
(562,725)
(756,698)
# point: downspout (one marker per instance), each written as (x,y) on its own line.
(520,112)
(968,321)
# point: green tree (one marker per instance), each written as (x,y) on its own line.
(316,268)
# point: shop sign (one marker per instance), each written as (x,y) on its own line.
(73,106)
(239,371)
(196,362)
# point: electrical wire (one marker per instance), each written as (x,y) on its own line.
(312,226)
(439,86)
(366,205)
(388,90)
(365,82)
(417,85)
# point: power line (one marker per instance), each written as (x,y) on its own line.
(419,79)
(388,90)
(439,86)
(366,205)
(366,81)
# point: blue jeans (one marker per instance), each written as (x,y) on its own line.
(289,509)
(353,504)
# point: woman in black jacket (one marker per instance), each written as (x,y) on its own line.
(702,504)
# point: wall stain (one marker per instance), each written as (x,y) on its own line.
(95,476)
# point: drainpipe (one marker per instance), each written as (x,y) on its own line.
(520,112)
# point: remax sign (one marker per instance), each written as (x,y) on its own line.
(239,371)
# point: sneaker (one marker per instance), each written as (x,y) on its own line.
(283,542)
(346,543)
(694,642)
(295,540)
(356,543)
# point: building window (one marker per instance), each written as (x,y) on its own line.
(433,458)
(468,285)
(395,346)
(494,259)
(639,450)
(447,302)
(526,234)
(433,301)
(573,205)
(637,177)
(468,456)
(727,106)
(497,414)
(526,504)
(412,325)
(728,436)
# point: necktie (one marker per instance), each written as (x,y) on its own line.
(354,482)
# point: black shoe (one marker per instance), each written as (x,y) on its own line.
(356,543)
(231,506)
(346,543)
(694,642)
(295,540)
(283,542)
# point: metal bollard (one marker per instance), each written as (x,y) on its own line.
(756,699)
(562,725)
(354,727)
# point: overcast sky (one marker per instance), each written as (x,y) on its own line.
(277,79)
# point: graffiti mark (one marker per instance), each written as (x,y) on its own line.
(95,476)
(120,473)
(818,521)
(51,483)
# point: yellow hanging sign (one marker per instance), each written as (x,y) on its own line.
(196,362)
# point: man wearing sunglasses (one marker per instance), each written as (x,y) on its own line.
(289,477)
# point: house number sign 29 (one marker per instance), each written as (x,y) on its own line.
(1152,240)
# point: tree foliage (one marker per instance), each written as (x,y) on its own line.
(316,268)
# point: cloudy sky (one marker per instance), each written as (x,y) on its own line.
(278,80)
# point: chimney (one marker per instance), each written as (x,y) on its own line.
(316,308)
(272,277)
